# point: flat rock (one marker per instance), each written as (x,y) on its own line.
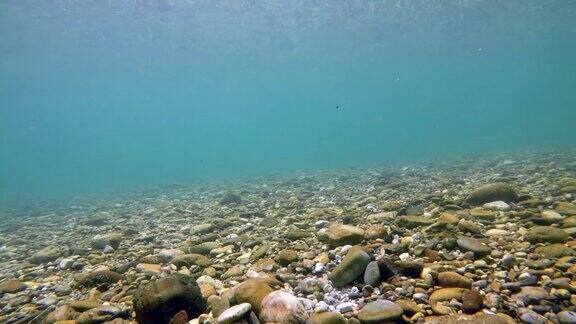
(11,286)
(467,319)
(380,311)
(234,313)
(492,192)
(452,279)
(546,234)
(413,221)
(327,318)
(531,295)
(470,244)
(47,254)
(565,208)
(341,234)
(556,250)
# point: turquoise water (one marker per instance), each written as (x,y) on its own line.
(100,96)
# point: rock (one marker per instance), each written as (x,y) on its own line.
(282,307)
(444,294)
(497,205)
(452,279)
(408,306)
(11,286)
(380,311)
(556,250)
(159,301)
(99,277)
(309,286)
(188,260)
(201,229)
(100,241)
(84,305)
(234,313)
(468,319)
(294,233)
(413,221)
(327,318)
(387,268)
(492,192)
(376,231)
(47,254)
(340,234)
(62,313)
(352,266)
(550,216)
(471,301)
(217,305)
(231,198)
(285,257)
(448,219)
(252,291)
(565,208)
(372,274)
(546,234)
(531,295)
(148,268)
(469,244)
(410,268)
(567,317)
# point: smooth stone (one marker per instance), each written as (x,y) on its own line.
(565,208)
(100,241)
(531,295)
(452,279)
(341,234)
(45,255)
(470,244)
(62,313)
(412,221)
(234,313)
(352,266)
(444,294)
(546,234)
(497,205)
(282,307)
(99,277)
(379,311)
(159,301)
(556,250)
(471,301)
(327,318)
(285,257)
(567,317)
(492,192)
(252,291)
(372,274)
(468,319)
(11,286)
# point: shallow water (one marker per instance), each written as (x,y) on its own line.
(108,96)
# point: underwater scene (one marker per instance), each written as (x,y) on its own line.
(287,161)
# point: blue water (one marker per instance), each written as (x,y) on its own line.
(100,96)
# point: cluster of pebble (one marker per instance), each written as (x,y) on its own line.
(476,241)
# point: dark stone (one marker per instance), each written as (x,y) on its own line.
(230,199)
(492,192)
(471,301)
(97,278)
(387,269)
(162,300)
(411,269)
